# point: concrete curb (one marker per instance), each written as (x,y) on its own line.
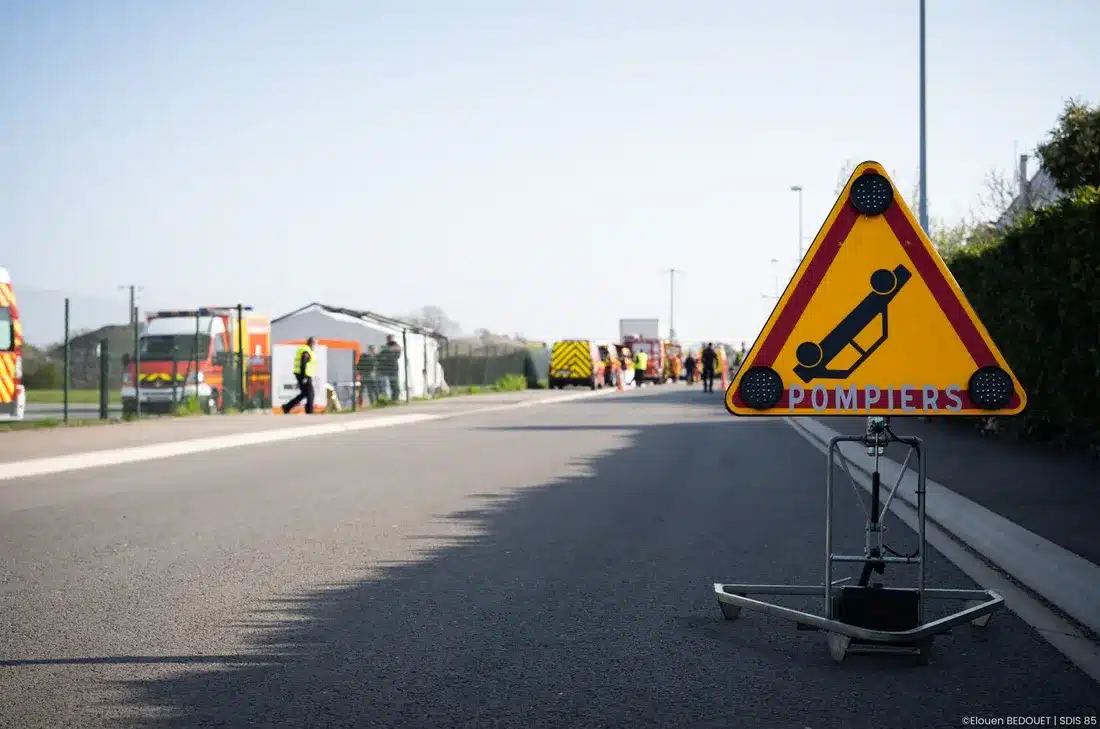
(137,454)
(1066,580)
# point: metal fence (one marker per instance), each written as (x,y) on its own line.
(77,350)
(62,338)
(469,364)
(76,356)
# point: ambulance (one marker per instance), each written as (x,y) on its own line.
(13,398)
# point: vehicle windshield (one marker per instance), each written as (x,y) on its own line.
(169,347)
(7,331)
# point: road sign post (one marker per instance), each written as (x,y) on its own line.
(872,323)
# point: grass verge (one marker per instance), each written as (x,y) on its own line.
(45,423)
(76,397)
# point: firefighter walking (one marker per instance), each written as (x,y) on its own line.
(710,359)
(303,373)
(641,361)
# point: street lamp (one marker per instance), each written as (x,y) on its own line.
(923,134)
(672,301)
(798,189)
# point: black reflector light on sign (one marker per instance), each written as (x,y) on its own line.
(761,388)
(991,388)
(872,194)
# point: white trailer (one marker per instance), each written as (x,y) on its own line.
(640,328)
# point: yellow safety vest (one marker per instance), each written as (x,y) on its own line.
(643,361)
(298,361)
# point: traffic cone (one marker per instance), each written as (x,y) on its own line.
(723,378)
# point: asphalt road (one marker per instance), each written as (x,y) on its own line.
(544,567)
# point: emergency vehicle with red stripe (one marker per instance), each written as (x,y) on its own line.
(13,398)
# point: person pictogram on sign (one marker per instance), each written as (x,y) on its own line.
(814,357)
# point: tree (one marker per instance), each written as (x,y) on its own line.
(1072,154)
(998,193)
(842,176)
(44,374)
(434,318)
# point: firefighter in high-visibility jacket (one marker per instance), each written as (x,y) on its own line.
(641,362)
(303,373)
(675,363)
(628,365)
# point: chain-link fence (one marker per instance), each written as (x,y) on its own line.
(73,347)
(472,364)
(80,362)
(85,357)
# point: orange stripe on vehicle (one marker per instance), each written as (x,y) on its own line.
(7,366)
(5,295)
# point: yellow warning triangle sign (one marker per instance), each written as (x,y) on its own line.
(873,323)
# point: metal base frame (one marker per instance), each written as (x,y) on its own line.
(844,638)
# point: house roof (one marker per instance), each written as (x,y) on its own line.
(1041,191)
(363,315)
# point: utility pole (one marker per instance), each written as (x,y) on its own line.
(923,134)
(672,302)
(798,189)
(135,323)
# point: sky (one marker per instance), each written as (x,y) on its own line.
(530,168)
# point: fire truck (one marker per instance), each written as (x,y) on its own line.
(655,348)
(197,354)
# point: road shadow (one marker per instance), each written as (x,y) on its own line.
(586,602)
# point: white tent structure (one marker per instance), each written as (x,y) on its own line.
(418,368)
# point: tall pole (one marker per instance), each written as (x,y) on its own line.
(136,324)
(672,302)
(798,189)
(66,376)
(240,355)
(923,133)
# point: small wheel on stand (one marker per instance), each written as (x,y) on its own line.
(838,646)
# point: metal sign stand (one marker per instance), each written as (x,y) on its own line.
(870,617)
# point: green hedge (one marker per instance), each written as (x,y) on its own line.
(1037,289)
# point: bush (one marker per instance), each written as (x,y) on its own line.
(190,405)
(511,383)
(1037,289)
(43,374)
